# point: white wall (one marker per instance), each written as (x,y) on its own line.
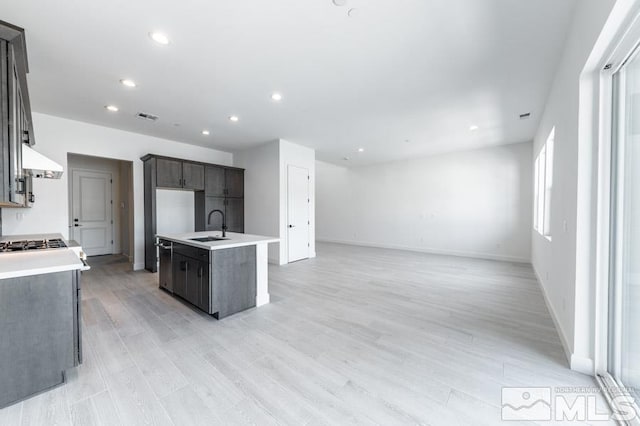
(265,193)
(472,203)
(262,192)
(56,137)
(555,261)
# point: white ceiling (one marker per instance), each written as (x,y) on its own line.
(416,70)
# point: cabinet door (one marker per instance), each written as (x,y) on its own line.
(4,122)
(168,173)
(214,203)
(193,176)
(16,184)
(180,269)
(235,214)
(215,186)
(234,180)
(193,278)
(203,285)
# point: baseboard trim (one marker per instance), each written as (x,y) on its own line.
(582,365)
(138,266)
(563,338)
(475,255)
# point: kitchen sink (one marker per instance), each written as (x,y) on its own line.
(207,239)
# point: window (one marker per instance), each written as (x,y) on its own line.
(543,181)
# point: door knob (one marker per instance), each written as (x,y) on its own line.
(76,225)
(75,220)
(292,226)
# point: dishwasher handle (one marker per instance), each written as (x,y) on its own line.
(164,247)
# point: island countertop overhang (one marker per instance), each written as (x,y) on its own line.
(232,240)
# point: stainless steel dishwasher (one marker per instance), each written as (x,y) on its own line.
(165,255)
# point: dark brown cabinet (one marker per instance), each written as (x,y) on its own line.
(220,282)
(15,116)
(193,176)
(234,211)
(191,274)
(178,174)
(224,182)
(169,173)
(213,186)
(234,180)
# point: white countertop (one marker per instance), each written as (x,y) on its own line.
(37,262)
(233,239)
(24,264)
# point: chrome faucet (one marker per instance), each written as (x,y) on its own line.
(224,223)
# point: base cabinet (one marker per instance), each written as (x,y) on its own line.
(190,268)
(40,333)
(220,282)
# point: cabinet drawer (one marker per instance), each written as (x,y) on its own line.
(192,252)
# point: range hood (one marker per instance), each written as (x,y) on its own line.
(38,166)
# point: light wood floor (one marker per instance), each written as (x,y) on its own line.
(356,336)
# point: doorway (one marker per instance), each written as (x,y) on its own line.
(297,213)
(101,205)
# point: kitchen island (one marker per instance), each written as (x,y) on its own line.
(220,275)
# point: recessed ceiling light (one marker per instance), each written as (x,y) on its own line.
(128,83)
(234,118)
(276,97)
(339,2)
(360,149)
(206,132)
(159,38)
(407,141)
(473,128)
(112,108)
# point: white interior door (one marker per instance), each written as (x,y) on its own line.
(91,211)
(297,213)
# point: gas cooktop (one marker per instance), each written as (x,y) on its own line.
(24,245)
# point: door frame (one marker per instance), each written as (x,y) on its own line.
(618,42)
(71,201)
(289,166)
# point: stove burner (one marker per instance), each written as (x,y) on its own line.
(24,245)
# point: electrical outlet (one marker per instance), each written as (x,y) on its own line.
(19,216)
(565,226)
(564,304)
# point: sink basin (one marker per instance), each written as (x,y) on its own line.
(207,239)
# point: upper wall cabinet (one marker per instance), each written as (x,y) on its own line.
(15,115)
(179,174)
(224,182)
